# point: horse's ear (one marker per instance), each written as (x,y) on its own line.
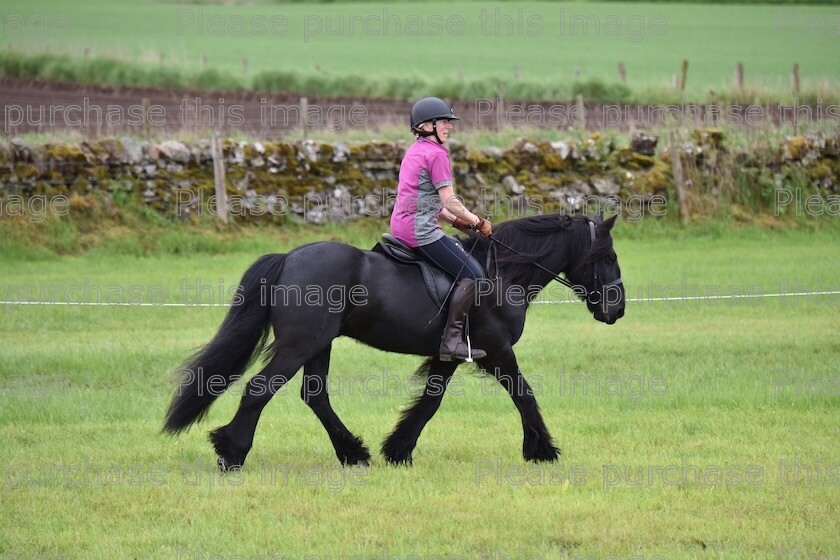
(610,222)
(599,218)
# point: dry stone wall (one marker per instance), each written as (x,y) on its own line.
(335,181)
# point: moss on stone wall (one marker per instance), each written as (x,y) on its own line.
(339,182)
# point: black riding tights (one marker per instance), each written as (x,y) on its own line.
(449,254)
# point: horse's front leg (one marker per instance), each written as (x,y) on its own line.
(398,447)
(537,444)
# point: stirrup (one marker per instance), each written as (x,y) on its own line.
(468,359)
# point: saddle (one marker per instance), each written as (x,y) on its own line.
(438,283)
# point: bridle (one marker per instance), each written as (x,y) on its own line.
(578,289)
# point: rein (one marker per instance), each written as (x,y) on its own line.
(574,287)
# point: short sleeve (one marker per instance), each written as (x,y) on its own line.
(440,171)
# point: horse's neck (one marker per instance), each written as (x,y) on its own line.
(559,262)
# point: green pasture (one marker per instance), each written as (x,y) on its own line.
(404,49)
(690,429)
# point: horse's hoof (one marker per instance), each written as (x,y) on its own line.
(545,455)
(362,461)
(225,466)
(400,462)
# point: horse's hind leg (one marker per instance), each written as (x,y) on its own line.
(233,441)
(349,448)
(399,446)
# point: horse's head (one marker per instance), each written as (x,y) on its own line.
(598,276)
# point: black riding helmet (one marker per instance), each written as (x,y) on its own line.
(430,109)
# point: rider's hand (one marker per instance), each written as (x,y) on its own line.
(462,224)
(484,227)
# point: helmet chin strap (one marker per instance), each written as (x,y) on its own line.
(434,132)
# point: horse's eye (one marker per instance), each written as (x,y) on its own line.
(612,258)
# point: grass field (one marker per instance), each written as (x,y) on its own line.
(472,49)
(690,429)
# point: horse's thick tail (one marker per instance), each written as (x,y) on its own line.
(240,340)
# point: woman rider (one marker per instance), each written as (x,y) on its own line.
(425,195)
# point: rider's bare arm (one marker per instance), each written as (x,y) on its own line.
(453,206)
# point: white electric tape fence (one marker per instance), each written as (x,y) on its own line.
(681,298)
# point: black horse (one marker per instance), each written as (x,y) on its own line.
(323,290)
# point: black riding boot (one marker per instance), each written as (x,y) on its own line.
(452,345)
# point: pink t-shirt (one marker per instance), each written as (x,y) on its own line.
(425,168)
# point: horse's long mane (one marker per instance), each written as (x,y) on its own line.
(535,237)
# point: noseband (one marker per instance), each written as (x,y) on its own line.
(615,282)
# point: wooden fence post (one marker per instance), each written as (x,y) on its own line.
(580,109)
(622,73)
(683,74)
(500,111)
(739,75)
(304,117)
(677,170)
(794,79)
(219,176)
(146,108)
(713,107)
